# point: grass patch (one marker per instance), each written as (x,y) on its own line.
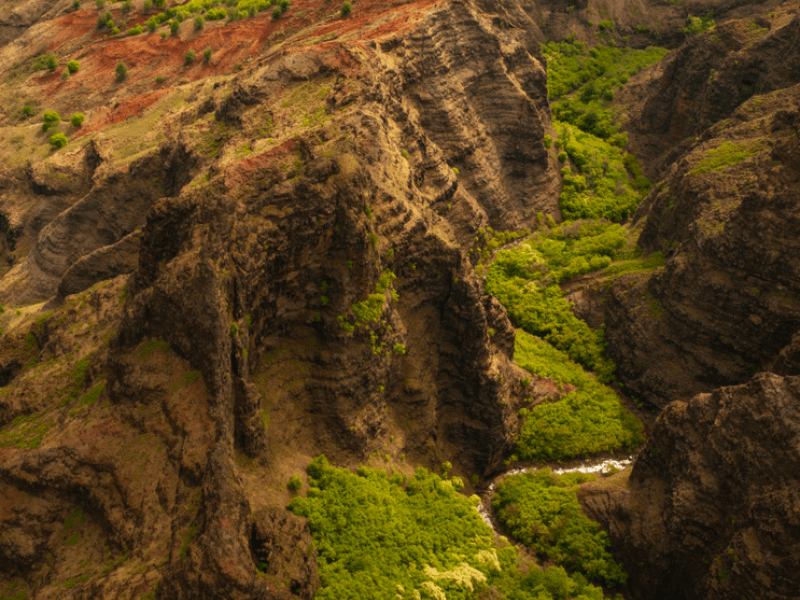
(724,155)
(541,510)
(392,537)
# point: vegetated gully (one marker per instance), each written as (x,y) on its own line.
(601,465)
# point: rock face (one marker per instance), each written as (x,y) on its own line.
(290,250)
(713,505)
(725,214)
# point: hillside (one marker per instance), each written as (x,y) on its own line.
(444,236)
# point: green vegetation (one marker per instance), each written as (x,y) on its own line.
(50,119)
(295,483)
(77,119)
(189,57)
(388,537)
(372,308)
(571,65)
(588,131)
(58,141)
(541,510)
(697,25)
(346,9)
(199,22)
(525,280)
(122,71)
(207,55)
(73,66)
(724,155)
(135,30)
(583,422)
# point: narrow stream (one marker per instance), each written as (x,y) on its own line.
(600,466)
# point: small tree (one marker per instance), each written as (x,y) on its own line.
(52,62)
(295,483)
(276,13)
(76,5)
(58,140)
(73,66)
(152,25)
(199,22)
(174,27)
(77,119)
(207,55)
(100,4)
(126,7)
(135,30)
(148,6)
(50,119)
(122,71)
(284,4)
(347,8)
(189,57)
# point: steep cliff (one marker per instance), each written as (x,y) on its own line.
(724,214)
(289,245)
(711,509)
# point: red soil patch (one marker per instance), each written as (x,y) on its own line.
(71,27)
(123,110)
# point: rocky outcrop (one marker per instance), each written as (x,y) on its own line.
(712,506)
(727,302)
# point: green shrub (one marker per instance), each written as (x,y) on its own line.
(284,4)
(73,66)
(126,7)
(27,111)
(114,30)
(216,14)
(548,141)
(562,156)
(188,57)
(135,30)
(541,510)
(346,9)
(199,22)
(399,349)
(50,119)
(58,140)
(295,483)
(152,25)
(160,79)
(161,3)
(382,536)
(122,71)
(276,13)
(698,25)
(46,61)
(174,27)
(207,55)
(148,6)
(77,119)
(234,330)
(100,4)
(76,5)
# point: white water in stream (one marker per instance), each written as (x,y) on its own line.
(605,466)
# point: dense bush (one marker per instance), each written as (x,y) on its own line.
(586,421)
(570,65)
(347,8)
(122,71)
(58,140)
(382,536)
(295,483)
(199,22)
(50,119)
(207,55)
(541,510)
(77,119)
(46,61)
(188,57)
(135,30)
(174,27)
(73,66)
